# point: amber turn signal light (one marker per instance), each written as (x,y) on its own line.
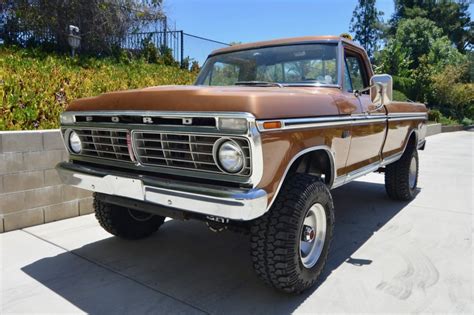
(272,124)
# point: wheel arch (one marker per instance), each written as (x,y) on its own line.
(411,140)
(319,158)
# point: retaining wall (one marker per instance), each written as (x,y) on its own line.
(452,128)
(30,189)
(433,129)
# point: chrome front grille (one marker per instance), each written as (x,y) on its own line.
(105,143)
(186,151)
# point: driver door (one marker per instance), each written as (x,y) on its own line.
(369,127)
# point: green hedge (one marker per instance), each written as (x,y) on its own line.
(36,87)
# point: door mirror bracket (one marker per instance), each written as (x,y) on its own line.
(381,91)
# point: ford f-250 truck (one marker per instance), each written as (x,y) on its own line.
(256,145)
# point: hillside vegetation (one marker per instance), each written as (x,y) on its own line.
(35,87)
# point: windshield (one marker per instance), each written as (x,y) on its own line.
(308,64)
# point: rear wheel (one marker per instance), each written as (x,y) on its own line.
(401,177)
(125,222)
(290,243)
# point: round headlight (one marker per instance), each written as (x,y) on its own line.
(75,143)
(230,156)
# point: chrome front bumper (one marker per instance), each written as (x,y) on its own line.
(230,203)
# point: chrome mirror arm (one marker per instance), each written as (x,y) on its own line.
(358,93)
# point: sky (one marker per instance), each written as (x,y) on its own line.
(249,21)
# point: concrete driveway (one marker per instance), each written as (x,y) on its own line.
(386,257)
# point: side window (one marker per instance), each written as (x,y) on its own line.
(355,70)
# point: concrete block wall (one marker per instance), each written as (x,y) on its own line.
(433,129)
(31,192)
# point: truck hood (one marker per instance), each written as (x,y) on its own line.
(262,102)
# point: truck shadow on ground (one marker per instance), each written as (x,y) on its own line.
(188,266)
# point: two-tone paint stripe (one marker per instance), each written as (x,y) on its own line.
(334,121)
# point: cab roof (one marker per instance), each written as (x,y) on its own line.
(286,41)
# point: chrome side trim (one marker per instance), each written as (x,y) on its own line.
(356,174)
(420,114)
(368,121)
(392,158)
(406,118)
(234,204)
(316,148)
(333,121)
(340,180)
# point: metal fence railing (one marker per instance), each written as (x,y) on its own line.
(169,39)
(182,45)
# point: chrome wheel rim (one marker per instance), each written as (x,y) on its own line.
(313,235)
(412,173)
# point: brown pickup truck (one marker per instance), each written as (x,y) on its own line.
(256,145)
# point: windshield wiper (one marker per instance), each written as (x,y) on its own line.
(259,83)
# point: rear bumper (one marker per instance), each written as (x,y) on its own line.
(230,203)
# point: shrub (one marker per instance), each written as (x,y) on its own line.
(36,87)
(434,115)
(149,51)
(467,122)
(437,116)
(399,96)
(406,86)
(195,68)
(454,96)
(448,121)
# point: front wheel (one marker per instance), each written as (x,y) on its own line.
(290,243)
(125,222)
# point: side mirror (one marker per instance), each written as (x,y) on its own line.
(381,92)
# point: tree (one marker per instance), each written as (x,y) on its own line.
(414,39)
(366,25)
(102,23)
(449,15)
(417,52)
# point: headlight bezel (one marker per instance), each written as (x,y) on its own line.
(69,135)
(218,159)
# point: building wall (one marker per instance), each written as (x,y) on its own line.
(30,189)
